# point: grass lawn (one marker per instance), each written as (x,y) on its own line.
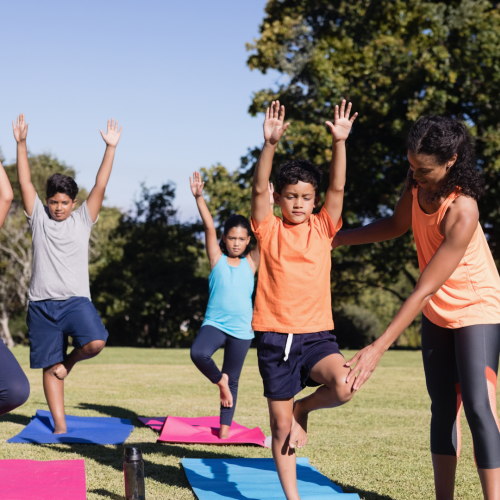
(377,445)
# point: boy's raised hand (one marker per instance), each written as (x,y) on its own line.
(20,128)
(112,135)
(273,124)
(196,184)
(342,124)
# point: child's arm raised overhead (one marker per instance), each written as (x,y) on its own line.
(273,130)
(212,245)
(340,132)
(111,138)
(28,192)
(6,195)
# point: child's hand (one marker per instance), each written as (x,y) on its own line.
(196,185)
(273,124)
(340,130)
(270,188)
(20,129)
(112,135)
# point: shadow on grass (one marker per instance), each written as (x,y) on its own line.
(109,410)
(15,419)
(364,494)
(108,494)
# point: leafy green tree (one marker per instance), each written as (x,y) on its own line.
(150,291)
(395,60)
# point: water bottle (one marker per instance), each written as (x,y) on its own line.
(133,470)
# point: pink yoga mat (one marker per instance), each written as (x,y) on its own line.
(52,480)
(202,430)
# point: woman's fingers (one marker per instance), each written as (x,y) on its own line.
(354,116)
(342,108)
(348,110)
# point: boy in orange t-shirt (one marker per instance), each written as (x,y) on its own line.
(293,313)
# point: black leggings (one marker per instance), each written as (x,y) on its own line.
(208,340)
(461,366)
(14,386)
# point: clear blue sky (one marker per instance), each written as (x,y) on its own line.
(172,72)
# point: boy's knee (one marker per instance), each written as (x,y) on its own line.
(343,393)
(95,347)
(281,426)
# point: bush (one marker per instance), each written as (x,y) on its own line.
(355,327)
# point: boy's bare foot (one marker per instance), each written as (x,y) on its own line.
(60,371)
(298,434)
(226,398)
(224,431)
(60,429)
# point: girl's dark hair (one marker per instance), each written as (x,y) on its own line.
(59,183)
(236,221)
(293,171)
(442,137)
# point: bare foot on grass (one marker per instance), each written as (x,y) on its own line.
(298,434)
(60,371)
(224,431)
(226,398)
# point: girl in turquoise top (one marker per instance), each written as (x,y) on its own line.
(229,312)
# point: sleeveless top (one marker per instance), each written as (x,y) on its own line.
(471,295)
(230,304)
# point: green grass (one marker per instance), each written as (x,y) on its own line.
(377,445)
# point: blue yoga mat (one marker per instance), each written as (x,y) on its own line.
(89,430)
(255,479)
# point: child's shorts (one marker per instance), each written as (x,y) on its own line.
(283,379)
(50,322)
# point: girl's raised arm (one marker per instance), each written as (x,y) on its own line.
(212,245)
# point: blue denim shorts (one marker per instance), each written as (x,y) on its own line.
(51,322)
(283,379)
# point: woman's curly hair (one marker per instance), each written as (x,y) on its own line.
(441,137)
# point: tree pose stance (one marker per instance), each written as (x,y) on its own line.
(229,312)
(458,292)
(59,293)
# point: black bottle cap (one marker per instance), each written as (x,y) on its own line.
(132,455)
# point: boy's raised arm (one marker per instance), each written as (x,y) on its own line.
(340,132)
(273,130)
(111,138)
(6,195)
(28,191)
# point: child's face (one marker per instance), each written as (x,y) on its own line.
(236,241)
(60,206)
(297,201)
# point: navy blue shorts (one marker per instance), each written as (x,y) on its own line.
(50,322)
(284,379)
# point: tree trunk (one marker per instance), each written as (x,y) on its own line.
(4,329)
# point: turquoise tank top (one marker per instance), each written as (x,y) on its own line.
(230,304)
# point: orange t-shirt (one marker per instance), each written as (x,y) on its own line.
(293,290)
(471,295)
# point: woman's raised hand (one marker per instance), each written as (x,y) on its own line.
(20,129)
(112,135)
(196,184)
(273,124)
(342,124)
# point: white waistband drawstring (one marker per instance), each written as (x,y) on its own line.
(288,346)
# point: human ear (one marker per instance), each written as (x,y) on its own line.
(316,200)
(451,161)
(276,198)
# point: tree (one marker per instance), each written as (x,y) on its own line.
(150,292)
(395,60)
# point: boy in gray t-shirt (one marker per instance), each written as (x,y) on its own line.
(59,293)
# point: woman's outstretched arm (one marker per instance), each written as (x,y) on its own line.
(6,195)
(212,245)
(382,229)
(459,226)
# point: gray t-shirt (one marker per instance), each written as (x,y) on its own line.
(60,254)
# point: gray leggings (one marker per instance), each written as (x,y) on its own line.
(209,340)
(14,386)
(461,366)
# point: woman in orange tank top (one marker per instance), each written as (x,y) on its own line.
(458,292)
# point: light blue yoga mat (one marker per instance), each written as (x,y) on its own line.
(255,479)
(87,430)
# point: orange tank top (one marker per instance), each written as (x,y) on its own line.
(471,295)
